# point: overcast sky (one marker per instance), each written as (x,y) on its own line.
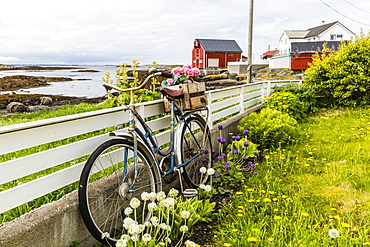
(112,31)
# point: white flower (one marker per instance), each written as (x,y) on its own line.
(104,235)
(211,171)
(203,169)
(135,203)
(145,196)
(169,203)
(134,229)
(154,220)
(121,243)
(185,214)
(164,226)
(173,192)
(189,243)
(184,228)
(146,237)
(161,196)
(202,186)
(147,224)
(334,233)
(135,237)
(152,196)
(152,206)
(168,240)
(128,211)
(125,237)
(208,188)
(127,222)
(161,243)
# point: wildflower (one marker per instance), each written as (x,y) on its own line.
(227,167)
(161,196)
(246,132)
(252,239)
(333,209)
(253,165)
(208,188)
(145,196)
(203,169)
(337,217)
(146,237)
(154,220)
(189,243)
(227,244)
(305,214)
(239,193)
(236,151)
(217,175)
(230,148)
(221,140)
(121,243)
(277,217)
(184,228)
(267,157)
(220,127)
(128,211)
(211,171)
(246,144)
(237,138)
(334,233)
(169,203)
(173,192)
(152,206)
(213,151)
(240,215)
(134,203)
(147,224)
(346,225)
(204,160)
(104,235)
(270,240)
(267,200)
(234,230)
(152,196)
(185,214)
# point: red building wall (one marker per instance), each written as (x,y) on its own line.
(200,57)
(300,61)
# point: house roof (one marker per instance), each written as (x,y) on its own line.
(269,53)
(314,46)
(312,32)
(219,45)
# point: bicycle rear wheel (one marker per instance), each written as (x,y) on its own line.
(102,195)
(195,145)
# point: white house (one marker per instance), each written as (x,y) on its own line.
(289,40)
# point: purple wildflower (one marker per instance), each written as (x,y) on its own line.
(204,160)
(246,132)
(220,127)
(230,148)
(213,151)
(244,169)
(223,154)
(221,140)
(233,138)
(237,138)
(246,144)
(199,173)
(206,151)
(236,151)
(227,167)
(217,175)
(253,165)
(219,157)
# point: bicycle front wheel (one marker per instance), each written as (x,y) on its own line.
(104,183)
(196,149)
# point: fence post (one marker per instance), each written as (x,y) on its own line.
(241,99)
(209,104)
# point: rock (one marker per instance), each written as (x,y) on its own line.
(232,76)
(39,108)
(46,101)
(16,107)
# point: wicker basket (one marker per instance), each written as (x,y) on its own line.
(194,97)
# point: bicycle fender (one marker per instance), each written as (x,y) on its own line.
(143,147)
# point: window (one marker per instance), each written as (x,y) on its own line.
(339,36)
(333,37)
(212,62)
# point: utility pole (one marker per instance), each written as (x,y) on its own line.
(250,38)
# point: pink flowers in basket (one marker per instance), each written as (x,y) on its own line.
(181,76)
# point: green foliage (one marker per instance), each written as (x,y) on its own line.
(269,128)
(342,78)
(123,81)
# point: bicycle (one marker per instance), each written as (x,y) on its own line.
(131,163)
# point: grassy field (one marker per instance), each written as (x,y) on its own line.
(300,192)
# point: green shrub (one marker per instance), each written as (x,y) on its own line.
(342,78)
(269,128)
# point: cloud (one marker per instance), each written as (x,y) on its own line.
(116,31)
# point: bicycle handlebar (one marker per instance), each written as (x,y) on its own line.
(110,86)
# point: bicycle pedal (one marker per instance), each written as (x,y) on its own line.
(189,193)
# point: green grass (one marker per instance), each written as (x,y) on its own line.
(302,191)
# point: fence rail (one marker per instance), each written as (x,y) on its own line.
(21,137)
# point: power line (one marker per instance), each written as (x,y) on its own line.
(344,14)
(356,7)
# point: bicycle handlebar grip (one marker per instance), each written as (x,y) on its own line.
(167,75)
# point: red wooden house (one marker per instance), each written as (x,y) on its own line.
(215,53)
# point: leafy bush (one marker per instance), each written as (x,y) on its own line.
(295,99)
(269,127)
(342,78)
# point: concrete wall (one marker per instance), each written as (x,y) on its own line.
(59,223)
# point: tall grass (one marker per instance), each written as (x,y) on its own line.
(302,191)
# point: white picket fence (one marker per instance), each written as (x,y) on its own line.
(20,137)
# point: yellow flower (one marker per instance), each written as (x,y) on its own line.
(267,157)
(270,239)
(227,244)
(277,218)
(240,215)
(250,200)
(337,217)
(333,209)
(305,214)
(239,193)
(367,243)
(250,190)
(274,199)
(234,230)
(284,196)
(346,225)
(267,200)
(241,207)
(272,192)
(252,239)
(263,191)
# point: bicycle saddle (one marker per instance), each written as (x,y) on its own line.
(176,93)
